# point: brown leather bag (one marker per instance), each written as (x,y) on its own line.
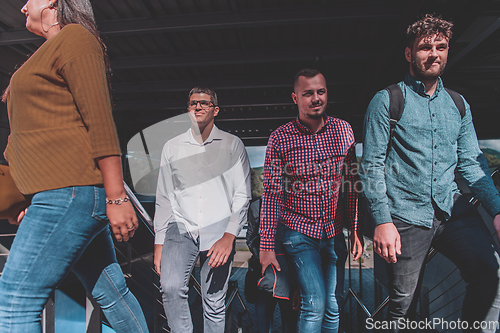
(12,201)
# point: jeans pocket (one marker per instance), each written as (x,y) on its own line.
(99,210)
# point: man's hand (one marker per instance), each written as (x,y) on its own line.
(17,220)
(496,224)
(387,242)
(157,258)
(356,246)
(221,250)
(268,258)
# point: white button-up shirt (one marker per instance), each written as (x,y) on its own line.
(205,186)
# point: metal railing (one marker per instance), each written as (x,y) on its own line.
(159,315)
(420,308)
(132,262)
(142,279)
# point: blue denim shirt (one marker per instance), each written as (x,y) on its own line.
(429,142)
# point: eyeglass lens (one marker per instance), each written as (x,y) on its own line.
(203,103)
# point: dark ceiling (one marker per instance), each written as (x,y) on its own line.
(249,51)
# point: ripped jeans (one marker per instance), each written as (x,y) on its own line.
(319,267)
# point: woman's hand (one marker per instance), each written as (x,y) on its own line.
(122,218)
(17,220)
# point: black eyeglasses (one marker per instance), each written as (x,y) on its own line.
(204,104)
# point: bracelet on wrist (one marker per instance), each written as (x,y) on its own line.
(118,201)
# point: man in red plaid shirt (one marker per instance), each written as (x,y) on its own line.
(310,163)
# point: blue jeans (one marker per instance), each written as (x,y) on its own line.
(65,229)
(179,255)
(319,267)
(465,240)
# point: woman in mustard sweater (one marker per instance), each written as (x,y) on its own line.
(63,150)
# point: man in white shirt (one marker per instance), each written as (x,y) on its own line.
(202,200)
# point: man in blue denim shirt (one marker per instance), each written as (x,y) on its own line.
(411,189)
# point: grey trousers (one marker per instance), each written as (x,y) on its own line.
(466,241)
(179,256)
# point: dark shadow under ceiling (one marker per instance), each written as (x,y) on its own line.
(249,51)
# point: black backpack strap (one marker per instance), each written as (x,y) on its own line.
(396,105)
(457,99)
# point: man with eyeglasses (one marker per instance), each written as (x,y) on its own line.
(202,200)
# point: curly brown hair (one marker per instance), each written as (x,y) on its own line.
(429,25)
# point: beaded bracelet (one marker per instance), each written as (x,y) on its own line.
(118,201)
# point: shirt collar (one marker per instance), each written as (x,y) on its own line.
(418,87)
(305,130)
(215,134)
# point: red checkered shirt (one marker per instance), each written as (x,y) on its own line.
(304,173)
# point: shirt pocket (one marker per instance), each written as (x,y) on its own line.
(452,128)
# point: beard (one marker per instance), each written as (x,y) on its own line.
(422,74)
(317,115)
